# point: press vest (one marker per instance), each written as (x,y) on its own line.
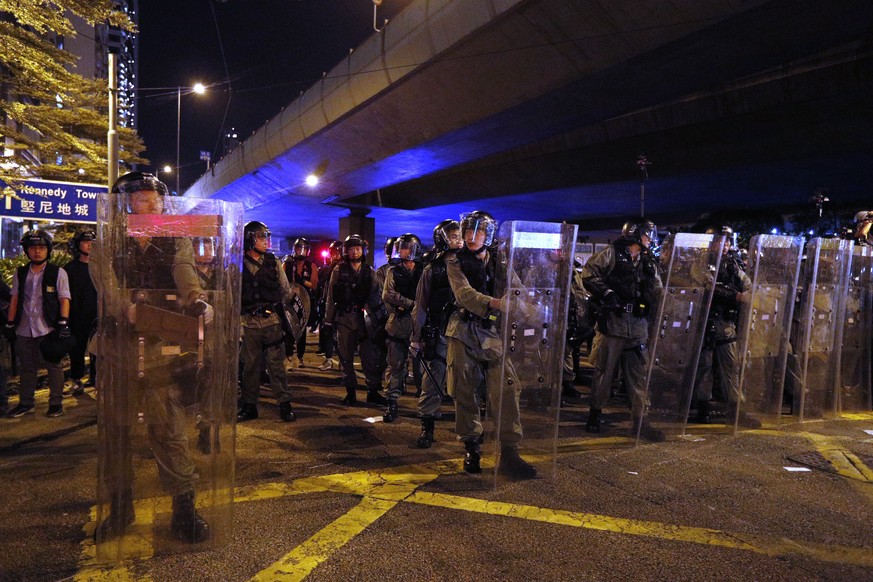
(262,288)
(51,304)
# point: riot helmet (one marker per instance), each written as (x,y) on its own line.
(253,230)
(37,238)
(723,230)
(204,250)
(409,242)
(301,247)
(863,220)
(335,248)
(634,231)
(354,240)
(479,220)
(136,181)
(133,182)
(389,246)
(442,234)
(78,238)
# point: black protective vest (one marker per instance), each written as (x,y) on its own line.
(479,275)
(148,268)
(262,288)
(405,281)
(306,275)
(728,284)
(352,289)
(440,291)
(51,304)
(626,279)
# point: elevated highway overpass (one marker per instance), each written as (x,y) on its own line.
(538,109)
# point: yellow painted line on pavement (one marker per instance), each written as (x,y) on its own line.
(300,562)
(770,546)
(382,491)
(862,468)
(857,415)
(830,448)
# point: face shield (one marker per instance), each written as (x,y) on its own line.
(473,224)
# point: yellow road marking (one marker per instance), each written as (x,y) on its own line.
(769,546)
(382,490)
(300,562)
(862,468)
(857,415)
(829,448)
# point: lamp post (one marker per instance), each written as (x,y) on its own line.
(200,89)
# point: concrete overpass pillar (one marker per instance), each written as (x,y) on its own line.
(357,222)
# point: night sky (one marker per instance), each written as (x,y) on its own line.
(274,49)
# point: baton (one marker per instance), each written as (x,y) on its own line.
(439,385)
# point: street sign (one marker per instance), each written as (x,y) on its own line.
(50,200)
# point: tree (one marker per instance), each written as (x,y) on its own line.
(46,108)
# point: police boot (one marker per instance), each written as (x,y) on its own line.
(120,515)
(286,413)
(373,397)
(351,398)
(425,439)
(246,412)
(513,466)
(187,524)
(473,456)
(702,412)
(390,412)
(743,419)
(647,431)
(593,423)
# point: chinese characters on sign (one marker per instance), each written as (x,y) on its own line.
(49,200)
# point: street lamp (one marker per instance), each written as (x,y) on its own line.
(166,170)
(200,89)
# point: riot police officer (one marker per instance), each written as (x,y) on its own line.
(83,308)
(147,263)
(398,296)
(264,290)
(326,334)
(623,280)
(302,270)
(352,291)
(472,272)
(433,305)
(720,340)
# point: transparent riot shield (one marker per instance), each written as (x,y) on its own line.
(857,342)
(678,330)
(167,345)
(765,323)
(823,287)
(537,261)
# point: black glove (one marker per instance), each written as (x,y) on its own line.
(611,302)
(9,331)
(63,329)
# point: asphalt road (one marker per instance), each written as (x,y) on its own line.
(334,497)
